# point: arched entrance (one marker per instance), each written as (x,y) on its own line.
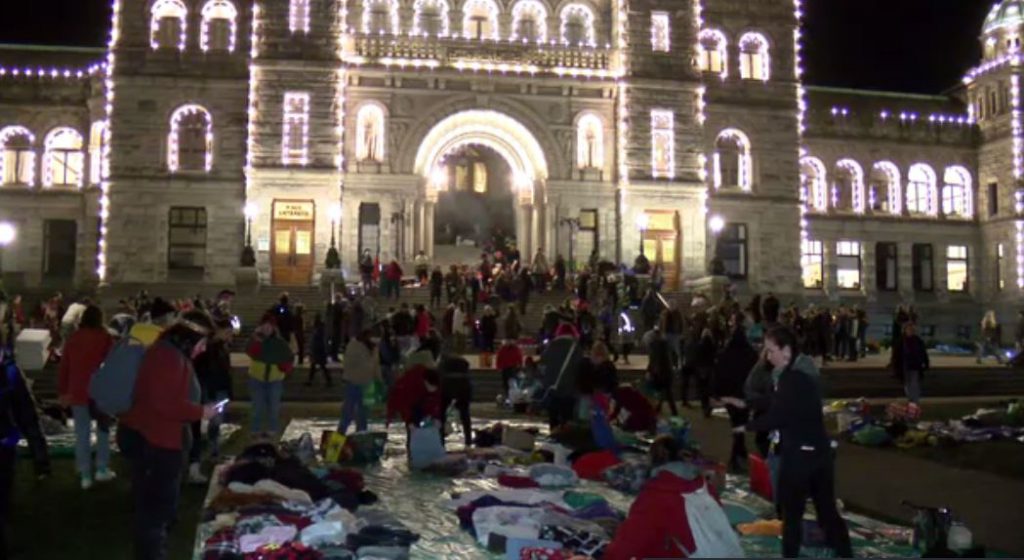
(475,165)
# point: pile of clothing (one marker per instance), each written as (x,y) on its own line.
(269,503)
(903,428)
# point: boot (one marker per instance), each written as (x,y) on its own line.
(195,476)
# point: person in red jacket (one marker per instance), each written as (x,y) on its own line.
(152,434)
(393,274)
(508,361)
(84,351)
(633,411)
(657,525)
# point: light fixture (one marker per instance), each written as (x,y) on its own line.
(8,233)
(716,224)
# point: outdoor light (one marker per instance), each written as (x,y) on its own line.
(7,235)
(642,221)
(716,223)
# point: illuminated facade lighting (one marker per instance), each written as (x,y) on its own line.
(295,133)
(63,158)
(298,16)
(223,11)
(438,9)
(744,159)
(577,15)
(532,10)
(163,14)
(370,25)
(755,58)
(663,144)
(661,34)
(589,142)
(104,199)
(856,183)
(6,135)
(174,137)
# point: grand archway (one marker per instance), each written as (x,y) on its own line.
(471,143)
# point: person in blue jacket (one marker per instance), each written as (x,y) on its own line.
(18,419)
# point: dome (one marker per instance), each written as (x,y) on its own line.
(1007,13)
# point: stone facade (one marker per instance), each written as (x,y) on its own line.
(391,90)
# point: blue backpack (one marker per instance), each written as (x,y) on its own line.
(112,388)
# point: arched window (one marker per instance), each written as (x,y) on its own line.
(755,64)
(220,26)
(577,25)
(97,143)
(921,197)
(167,25)
(380,17)
(589,142)
(814,180)
(370,133)
(18,162)
(529,21)
(712,50)
(848,190)
(732,160)
(190,142)
(480,20)
(298,16)
(63,160)
(884,191)
(957,193)
(430,18)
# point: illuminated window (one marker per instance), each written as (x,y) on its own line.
(1000,258)
(167,25)
(884,194)
(755,64)
(956,268)
(660,33)
(921,190)
(479,177)
(220,24)
(956,193)
(814,181)
(712,52)
(97,143)
(430,18)
(19,159)
(380,16)
(663,143)
(529,21)
(848,189)
(370,133)
(848,265)
(577,25)
(812,262)
(298,16)
(190,142)
(63,160)
(295,136)
(732,160)
(589,142)
(480,20)
(924,267)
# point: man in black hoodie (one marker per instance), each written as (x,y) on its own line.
(732,367)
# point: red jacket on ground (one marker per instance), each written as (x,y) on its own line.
(642,416)
(84,352)
(510,356)
(657,524)
(410,399)
(162,406)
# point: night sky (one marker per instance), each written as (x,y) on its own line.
(900,45)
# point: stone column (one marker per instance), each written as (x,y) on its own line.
(428,228)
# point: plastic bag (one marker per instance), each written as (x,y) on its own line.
(712,534)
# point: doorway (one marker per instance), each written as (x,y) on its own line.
(291,251)
(60,241)
(475,211)
(661,244)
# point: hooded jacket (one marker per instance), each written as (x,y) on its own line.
(733,366)
(562,351)
(657,525)
(362,364)
(796,409)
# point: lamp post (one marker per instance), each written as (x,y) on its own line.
(333,260)
(716,224)
(251,210)
(642,221)
(8,233)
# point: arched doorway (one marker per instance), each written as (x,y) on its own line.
(476,165)
(475,210)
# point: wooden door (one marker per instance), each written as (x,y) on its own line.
(291,248)
(662,247)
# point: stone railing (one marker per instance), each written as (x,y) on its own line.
(477,54)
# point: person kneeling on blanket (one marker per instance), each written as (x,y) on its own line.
(674,516)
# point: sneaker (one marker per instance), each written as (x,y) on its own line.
(105,475)
(195,476)
(86,482)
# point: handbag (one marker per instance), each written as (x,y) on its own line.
(425,445)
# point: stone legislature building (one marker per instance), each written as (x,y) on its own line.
(681,128)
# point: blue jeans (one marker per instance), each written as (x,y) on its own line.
(353,407)
(266,405)
(83,445)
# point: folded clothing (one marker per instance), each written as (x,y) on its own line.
(762,528)
(272,488)
(276,535)
(512,481)
(548,475)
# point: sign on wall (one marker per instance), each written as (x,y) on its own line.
(294,211)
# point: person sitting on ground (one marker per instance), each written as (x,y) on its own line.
(658,525)
(84,352)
